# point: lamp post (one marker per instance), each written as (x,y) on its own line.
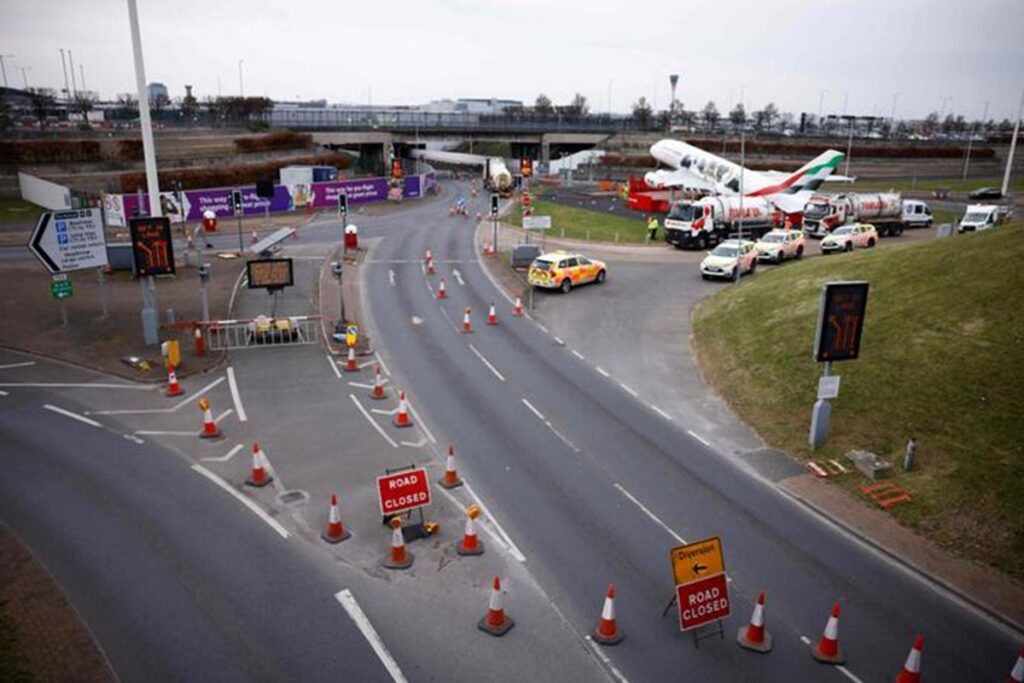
(821,103)
(3,70)
(892,114)
(1013,145)
(241,89)
(64,68)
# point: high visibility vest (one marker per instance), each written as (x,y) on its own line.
(652,224)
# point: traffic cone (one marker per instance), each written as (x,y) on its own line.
(754,636)
(496,623)
(451,478)
(470,544)
(1017,675)
(399,557)
(350,363)
(607,631)
(827,650)
(402,416)
(911,672)
(335,531)
(173,388)
(210,428)
(442,293)
(492,316)
(259,476)
(378,392)
(254,238)
(517,309)
(467,324)
(430,266)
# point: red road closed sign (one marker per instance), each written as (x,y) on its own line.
(702,601)
(403,491)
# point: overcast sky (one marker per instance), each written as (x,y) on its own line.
(409,52)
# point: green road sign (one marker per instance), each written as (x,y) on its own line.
(61,289)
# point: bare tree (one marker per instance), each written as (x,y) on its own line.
(543,105)
(83,104)
(710,114)
(642,112)
(769,115)
(578,106)
(738,115)
(127,106)
(42,101)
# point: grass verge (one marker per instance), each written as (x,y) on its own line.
(18,208)
(584,224)
(942,359)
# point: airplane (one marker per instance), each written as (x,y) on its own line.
(693,168)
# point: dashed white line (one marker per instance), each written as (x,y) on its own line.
(366,364)
(4,393)
(559,341)
(420,422)
(564,439)
(661,412)
(391,276)
(222,415)
(372,421)
(542,328)
(601,370)
(358,385)
(654,518)
(73,416)
(486,362)
(578,354)
(159,433)
(532,409)
(458,276)
(334,366)
(256,509)
(383,366)
(512,547)
(355,612)
(225,458)
(410,444)
(698,437)
(381,411)
(11,366)
(72,385)
(629,390)
(605,660)
(235,396)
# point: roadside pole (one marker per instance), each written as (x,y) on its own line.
(1013,146)
(204,278)
(103,292)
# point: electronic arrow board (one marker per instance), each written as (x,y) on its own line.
(152,246)
(840,321)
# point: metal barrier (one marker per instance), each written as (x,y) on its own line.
(228,335)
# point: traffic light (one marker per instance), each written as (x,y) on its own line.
(342,203)
(494,204)
(526,167)
(236,201)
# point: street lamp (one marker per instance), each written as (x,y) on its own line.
(241,90)
(892,114)
(2,69)
(24,78)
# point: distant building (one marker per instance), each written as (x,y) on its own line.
(157,90)
(468,105)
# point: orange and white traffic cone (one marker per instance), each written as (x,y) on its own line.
(754,636)
(827,649)
(259,477)
(199,342)
(442,293)
(399,557)
(378,392)
(350,362)
(402,416)
(430,266)
(335,531)
(1017,674)
(451,478)
(467,324)
(470,544)
(492,316)
(911,672)
(607,631)
(173,388)
(210,429)
(496,622)
(517,309)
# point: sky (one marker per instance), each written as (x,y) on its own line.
(946,56)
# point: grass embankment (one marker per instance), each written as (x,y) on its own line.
(908,185)
(942,358)
(584,224)
(18,208)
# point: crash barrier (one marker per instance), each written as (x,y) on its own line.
(229,335)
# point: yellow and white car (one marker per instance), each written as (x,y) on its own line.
(849,237)
(562,270)
(779,245)
(728,257)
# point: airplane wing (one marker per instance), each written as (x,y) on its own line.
(681,178)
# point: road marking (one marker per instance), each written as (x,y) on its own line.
(132,437)
(558,340)
(570,444)
(381,411)
(458,276)
(172,409)
(355,612)
(382,365)
(605,660)
(239,410)
(334,366)
(661,412)
(69,385)
(4,393)
(73,416)
(842,669)
(512,547)
(654,518)
(361,386)
(366,364)
(259,512)
(602,370)
(698,437)
(410,444)
(156,433)
(222,415)
(629,390)
(11,366)
(578,354)
(534,410)
(486,362)
(391,276)
(420,422)
(372,421)
(225,458)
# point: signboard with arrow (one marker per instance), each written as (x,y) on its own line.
(702,589)
(66,241)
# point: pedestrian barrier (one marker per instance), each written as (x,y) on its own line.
(885,494)
(229,335)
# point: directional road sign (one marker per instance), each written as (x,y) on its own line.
(536,222)
(697,560)
(61,287)
(66,241)
(402,491)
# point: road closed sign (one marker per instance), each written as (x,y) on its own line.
(403,491)
(703,601)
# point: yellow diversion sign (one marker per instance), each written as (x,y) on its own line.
(698,560)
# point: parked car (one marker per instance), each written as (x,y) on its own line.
(986,193)
(727,257)
(562,270)
(779,245)
(850,237)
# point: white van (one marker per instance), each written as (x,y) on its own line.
(916,214)
(979,217)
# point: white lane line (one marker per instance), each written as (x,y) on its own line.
(420,422)
(601,370)
(132,437)
(73,416)
(629,390)
(383,366)
(842,669)
(355,612)
(512,547)
(661,412)
(486,362)
(366,364)
(654,518)
(372,421)
(533,410)
(235,396)
(423,267)
(11,366)
(570,444)
(157,433)
(410,444)
(381,411)
(361,386)
(225,458)
(458,276)
(172,409)
(559,341)
(334,367)
(698,437)
(4,393)
(542,328)
(256,509)
(391,276)
(71,385)
(578,354)
(222,415)
(605,660)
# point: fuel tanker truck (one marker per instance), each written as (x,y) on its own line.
(884,210)
(496,177)
(705,222)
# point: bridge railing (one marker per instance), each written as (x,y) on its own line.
(411,121)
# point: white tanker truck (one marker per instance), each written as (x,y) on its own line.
(887,211)
(705,222)
(496,177)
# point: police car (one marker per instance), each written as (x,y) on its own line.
(562,270)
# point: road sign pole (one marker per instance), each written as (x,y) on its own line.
(821,414)
(63,314)
(103,292)
(149,315)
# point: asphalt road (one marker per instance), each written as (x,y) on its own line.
(596,486)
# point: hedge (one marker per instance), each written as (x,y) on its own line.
(230,176)
(280,140)
(49,151)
